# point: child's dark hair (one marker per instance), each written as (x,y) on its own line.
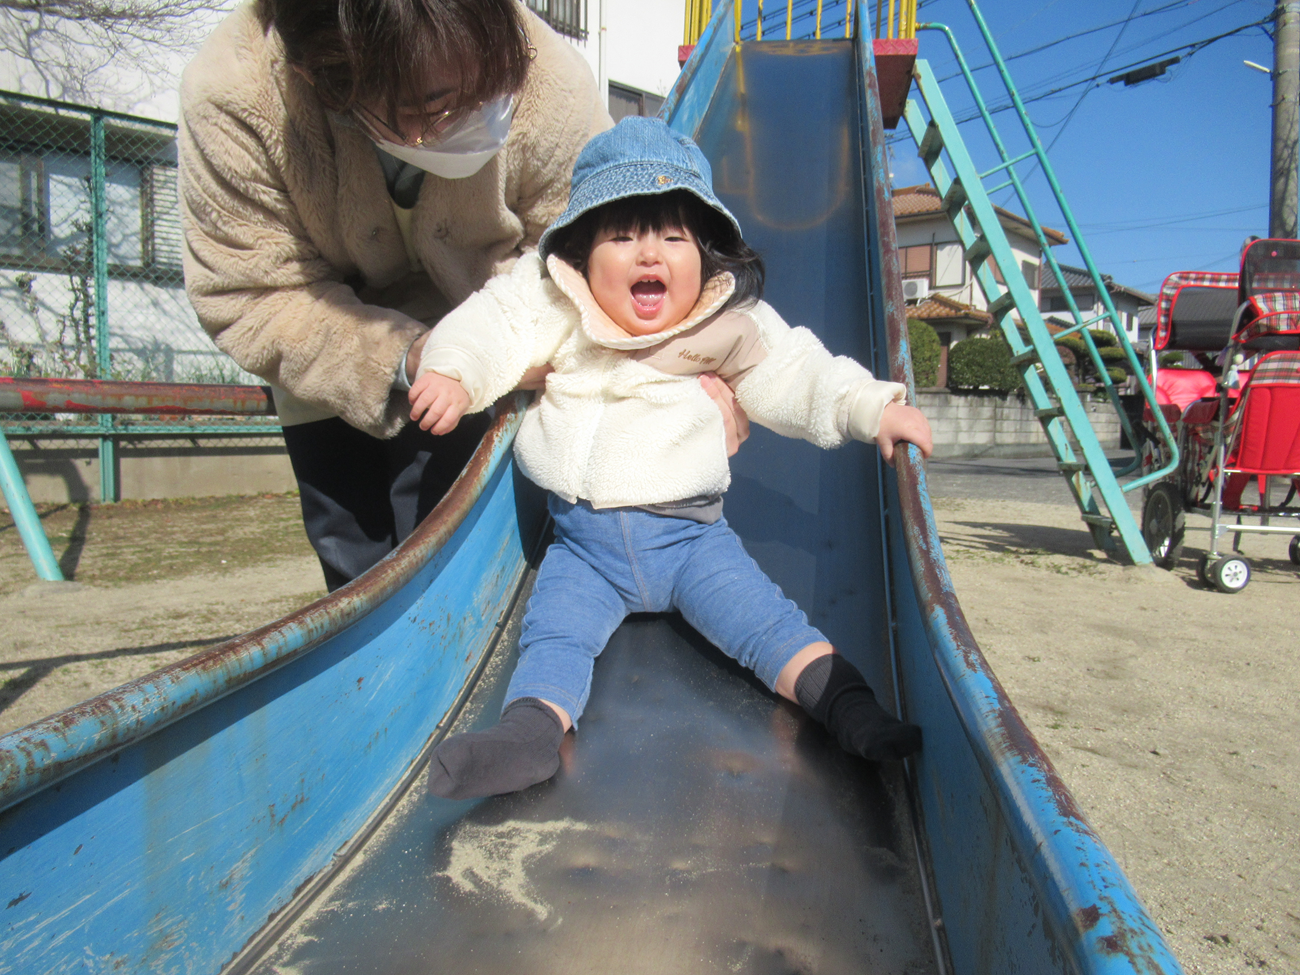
(721,248)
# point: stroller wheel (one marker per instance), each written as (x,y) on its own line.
(1229,574)
(1294,550)
(1162,525)
(1203,570)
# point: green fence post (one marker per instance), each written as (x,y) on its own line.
(108,487)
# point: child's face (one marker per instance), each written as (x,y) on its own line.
(646,281)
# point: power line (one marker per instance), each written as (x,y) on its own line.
(1143,223)
(1109,51)
(1131,47)
(1096,30)
(1193,48)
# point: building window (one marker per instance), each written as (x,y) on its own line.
(625,101)
(949,266)
(1030,270)
(47,214)
(568,17)
(915,261)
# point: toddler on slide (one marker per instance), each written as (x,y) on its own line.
(642,285)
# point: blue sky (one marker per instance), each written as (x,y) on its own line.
(1168,175)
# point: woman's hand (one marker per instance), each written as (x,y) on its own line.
(734,419)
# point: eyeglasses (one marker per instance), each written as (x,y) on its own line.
(432,127)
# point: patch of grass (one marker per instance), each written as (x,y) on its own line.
(143,541)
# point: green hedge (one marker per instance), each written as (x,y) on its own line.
(982,363)
(1108,349)
(926,349)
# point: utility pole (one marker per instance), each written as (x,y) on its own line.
(1286,119)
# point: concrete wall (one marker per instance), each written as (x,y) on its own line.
(964,424)
(58,474)
(993,425)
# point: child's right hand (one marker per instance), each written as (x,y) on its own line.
(899,423)
(437,403)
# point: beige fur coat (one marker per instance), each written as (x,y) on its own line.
(294,261)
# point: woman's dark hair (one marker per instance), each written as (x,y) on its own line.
(367,51)
(721,248)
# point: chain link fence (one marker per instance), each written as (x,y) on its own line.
(90,270)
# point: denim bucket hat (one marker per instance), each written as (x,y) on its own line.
(638,157)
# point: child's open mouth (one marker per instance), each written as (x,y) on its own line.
(648,296)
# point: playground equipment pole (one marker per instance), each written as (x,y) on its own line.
(25,517)
(1286,119)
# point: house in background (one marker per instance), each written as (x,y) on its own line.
(631,46)
(1129,302)
(937,283)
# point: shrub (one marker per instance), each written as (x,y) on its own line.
(1113,355)
(1103,339)
(1076,345)
(1108,349)
(926,348)
(982,363)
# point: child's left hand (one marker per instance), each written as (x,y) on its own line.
(903,423)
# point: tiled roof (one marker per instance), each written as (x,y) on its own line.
(939,306)
(1080,280)
(923,200)
(1076,277)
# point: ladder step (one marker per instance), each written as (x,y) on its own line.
(1050,412)
(978,252)
(1000,305)
(1020,358)
(931,144)
(1071,466)
(1104,520)
(955,200)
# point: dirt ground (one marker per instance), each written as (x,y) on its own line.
(1173,713)
(152,583)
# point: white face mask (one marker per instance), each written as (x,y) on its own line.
(466,147)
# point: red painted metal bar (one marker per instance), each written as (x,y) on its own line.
(160,399)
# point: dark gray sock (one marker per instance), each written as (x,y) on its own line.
(522,750)
(834,692)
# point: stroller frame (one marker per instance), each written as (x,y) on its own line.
(1266,323)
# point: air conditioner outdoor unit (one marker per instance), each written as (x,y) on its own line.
(916,289)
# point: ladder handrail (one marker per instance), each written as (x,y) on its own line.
(1061,411)
(1040,155)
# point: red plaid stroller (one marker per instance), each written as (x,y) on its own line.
(1235,430)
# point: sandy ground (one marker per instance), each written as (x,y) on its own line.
(1169,710)
(152,583)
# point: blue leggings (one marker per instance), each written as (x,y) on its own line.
(606,564)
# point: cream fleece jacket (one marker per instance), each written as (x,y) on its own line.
(623,419)
(293,257)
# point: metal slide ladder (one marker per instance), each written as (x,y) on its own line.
(965,194)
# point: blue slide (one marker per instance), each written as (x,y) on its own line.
(260,806)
